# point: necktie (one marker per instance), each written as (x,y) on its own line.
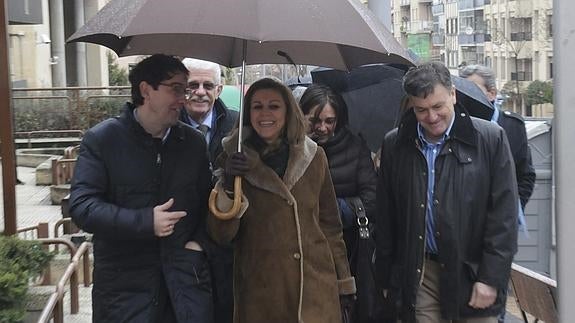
(203,128)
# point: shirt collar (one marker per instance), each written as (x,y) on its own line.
(164,138)
(207,121)
(421,135)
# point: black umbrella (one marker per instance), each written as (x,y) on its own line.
(472,98)
(372,94)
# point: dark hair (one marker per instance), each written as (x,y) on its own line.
(294,128)
(320,95)
(153,70)
(420,81)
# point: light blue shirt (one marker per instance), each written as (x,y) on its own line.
(207,121)
(431,151)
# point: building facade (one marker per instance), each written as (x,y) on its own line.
(514,37)
(39,54)
(520,48)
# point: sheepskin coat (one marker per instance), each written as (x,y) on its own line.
(290,261)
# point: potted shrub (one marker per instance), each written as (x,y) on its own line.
(20,262)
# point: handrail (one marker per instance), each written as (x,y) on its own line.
(71,274)
(76,134)
(41,230)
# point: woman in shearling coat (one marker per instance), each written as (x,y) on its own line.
(290,259)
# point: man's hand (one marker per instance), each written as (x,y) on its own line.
(164,220)
(482,296)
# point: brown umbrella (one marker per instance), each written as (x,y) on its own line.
(333,33)
(340,34)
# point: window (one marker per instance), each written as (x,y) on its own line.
(524,70)
(520,29)
(488,61)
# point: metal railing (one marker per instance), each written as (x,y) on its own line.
(55,305)
(29,136)
(66,107)
(41,230)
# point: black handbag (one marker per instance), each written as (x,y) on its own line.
(371,306)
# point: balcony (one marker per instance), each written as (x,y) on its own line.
(521,36)
(421,26)
(473,39)
(438,39)
(470,4)
(405,27)
(437,9)
(522,76)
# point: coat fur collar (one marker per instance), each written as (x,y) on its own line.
(263,177)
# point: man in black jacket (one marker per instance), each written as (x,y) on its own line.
(514,127)
(141,186)
(447,199)
(207,113)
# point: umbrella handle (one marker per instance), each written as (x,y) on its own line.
(235,207)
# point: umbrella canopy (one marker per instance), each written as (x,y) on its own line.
(335,33)
(372,94)
(472,98)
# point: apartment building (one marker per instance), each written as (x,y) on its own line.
(413,26)
(445,33)
(514,37)
(520,47)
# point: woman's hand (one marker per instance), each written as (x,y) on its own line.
(236,165)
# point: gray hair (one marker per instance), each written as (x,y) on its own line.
(298,92)
(192,63)
(482,71)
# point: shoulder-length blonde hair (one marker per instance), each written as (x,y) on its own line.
(294,129)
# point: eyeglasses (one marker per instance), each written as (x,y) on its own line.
(180,90)
(208,86)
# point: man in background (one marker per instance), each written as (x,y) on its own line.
(207,113)
(204,110)
(514,127)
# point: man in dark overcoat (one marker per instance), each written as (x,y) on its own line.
(447,199)
(141,186)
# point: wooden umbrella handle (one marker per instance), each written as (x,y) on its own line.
(231,213)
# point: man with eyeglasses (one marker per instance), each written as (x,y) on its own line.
(204,110)
(207,113)
(141,186)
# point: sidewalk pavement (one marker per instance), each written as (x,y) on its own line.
(33,205)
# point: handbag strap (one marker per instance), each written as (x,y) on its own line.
(362,220)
